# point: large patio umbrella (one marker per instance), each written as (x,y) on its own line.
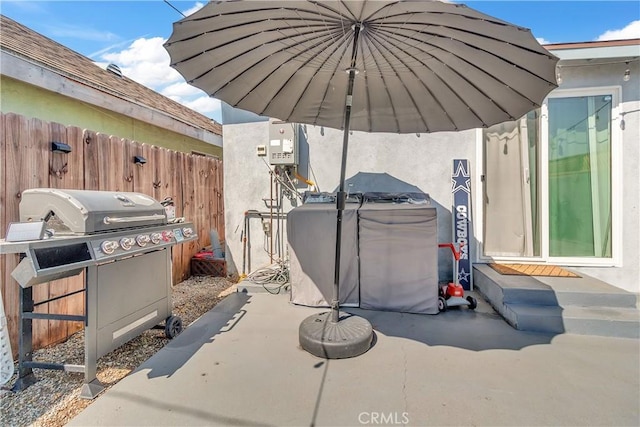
(374,66)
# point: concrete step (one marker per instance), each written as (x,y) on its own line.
(583,305)
(534,318)
(563,291)
(607,321)
(566,298)
(599,299)
(603,321)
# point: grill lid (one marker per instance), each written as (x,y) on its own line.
(87,211)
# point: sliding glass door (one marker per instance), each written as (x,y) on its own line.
(547,181)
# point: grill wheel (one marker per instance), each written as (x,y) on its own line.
(173,326)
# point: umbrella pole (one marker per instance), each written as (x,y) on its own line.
(341,201)
(326,334)
(341,196)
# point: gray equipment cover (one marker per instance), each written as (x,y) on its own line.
(311,231)
(397,267)
(398,257)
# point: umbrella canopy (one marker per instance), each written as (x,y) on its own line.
(421,66)
(375,66)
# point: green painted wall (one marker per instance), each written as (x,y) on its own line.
(31,101)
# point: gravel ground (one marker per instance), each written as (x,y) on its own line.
(54,400)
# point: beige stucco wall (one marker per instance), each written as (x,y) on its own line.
(31,101)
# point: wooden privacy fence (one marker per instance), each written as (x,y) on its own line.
(96,162)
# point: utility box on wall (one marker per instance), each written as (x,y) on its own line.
(283,143)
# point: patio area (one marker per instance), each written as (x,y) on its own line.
(240,364)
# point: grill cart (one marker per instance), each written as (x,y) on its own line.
(122,241)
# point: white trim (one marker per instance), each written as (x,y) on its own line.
(526,184)
(543,179)
(477,211)
(595,52)
(616,177)
(593,166)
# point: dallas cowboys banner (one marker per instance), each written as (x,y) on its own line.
(461,189)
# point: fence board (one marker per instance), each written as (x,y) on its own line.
(96,162)
(113,175)
(213,199)
(122,152)
(8,287)
(173,188)
(208,196)
(76,303)
(66,172)
(33,172)
(143,174)
(189,208)
(157,166)
(219,203)
(92,165)
(201,217)
(3,193)
(16,128)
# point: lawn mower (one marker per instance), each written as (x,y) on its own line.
(452,294)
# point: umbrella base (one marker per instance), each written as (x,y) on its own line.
(349,337)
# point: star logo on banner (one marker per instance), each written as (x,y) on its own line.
(463,276)
(460,179)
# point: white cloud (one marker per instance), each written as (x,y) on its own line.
(142,49)
(631,31)
(542,40)
(109,48)
(181,89)
(194,9)
(204,104)
(146,61)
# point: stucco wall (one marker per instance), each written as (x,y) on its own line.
(424,161)
(31,101)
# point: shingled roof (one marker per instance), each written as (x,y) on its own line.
(34,47)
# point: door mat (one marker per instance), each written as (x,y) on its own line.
(532,270)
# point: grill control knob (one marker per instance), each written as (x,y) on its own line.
(127,242)
(167,235)
(155,238)
(187,231)
(109,246)
(142,240)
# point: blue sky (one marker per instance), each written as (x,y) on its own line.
(131,33)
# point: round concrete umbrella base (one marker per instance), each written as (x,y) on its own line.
(350,336)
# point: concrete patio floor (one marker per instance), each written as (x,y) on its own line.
(240,364)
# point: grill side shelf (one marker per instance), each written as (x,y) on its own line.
(65,256)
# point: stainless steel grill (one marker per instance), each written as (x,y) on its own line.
(122,241)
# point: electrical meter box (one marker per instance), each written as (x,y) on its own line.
(283,143)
